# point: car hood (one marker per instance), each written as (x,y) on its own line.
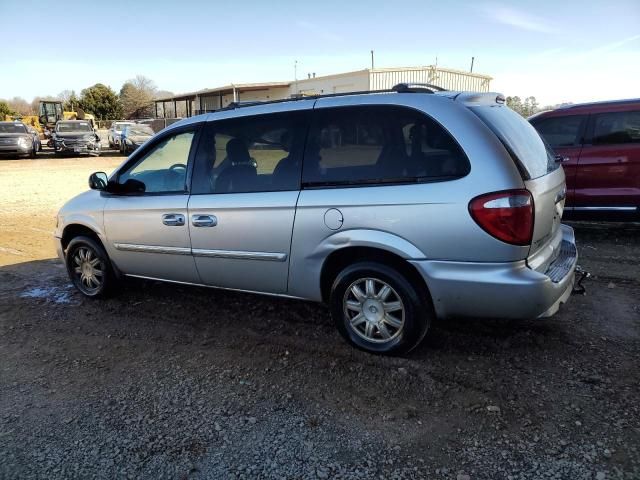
(73,134)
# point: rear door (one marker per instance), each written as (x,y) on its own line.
(540,172)
(565,135)
(608,174)
(245,189)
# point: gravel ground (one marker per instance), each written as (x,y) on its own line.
(164,381)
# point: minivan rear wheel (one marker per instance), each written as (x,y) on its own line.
(89,267)
(377,309)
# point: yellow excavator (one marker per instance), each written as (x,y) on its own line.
(51,111)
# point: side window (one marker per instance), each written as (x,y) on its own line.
(378,144)
(164,168)
(251,154)
(561,131)
(616,128)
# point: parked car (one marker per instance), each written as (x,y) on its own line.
(75,136)
(115,133)
(133,136)
(36,138)
(600,143)
(394,209)
(15,140)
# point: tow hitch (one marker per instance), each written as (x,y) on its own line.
(582,275)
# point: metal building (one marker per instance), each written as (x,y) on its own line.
(211,99)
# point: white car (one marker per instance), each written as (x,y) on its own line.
(115,132)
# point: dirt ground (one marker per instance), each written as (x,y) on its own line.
(164,381)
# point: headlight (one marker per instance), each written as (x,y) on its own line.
(89,138)
(23,142)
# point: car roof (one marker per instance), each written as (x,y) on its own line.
(382,97)
(592,107)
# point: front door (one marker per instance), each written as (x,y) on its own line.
(148,233)
(608,173)
(244,192)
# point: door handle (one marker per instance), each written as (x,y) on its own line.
(173,220)
(204,220)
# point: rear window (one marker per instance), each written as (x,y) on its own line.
(561,131)
(533,157)
(379,144)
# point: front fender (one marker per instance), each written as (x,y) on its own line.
(87,209)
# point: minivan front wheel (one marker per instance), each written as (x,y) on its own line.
(89,267)
(377,309)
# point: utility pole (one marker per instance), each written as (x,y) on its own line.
(472,59)
(372,60)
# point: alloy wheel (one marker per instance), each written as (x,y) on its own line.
(88,269)
(374,310)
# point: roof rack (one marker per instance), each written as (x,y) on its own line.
(399,88)
(417,88)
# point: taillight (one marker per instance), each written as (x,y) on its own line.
(506,215)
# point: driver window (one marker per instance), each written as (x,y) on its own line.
(164,169)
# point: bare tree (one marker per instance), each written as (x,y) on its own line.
(70,101)
(136,96)
(21,106)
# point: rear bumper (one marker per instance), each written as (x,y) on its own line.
(500,290)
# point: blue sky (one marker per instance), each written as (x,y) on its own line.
(555,50)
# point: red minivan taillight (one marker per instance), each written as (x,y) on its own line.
(506,215)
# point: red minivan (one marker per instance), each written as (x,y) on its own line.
(600,146)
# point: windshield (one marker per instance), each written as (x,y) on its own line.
(12,128)
(73,127)
(141,130)
(520,139)
(120,126)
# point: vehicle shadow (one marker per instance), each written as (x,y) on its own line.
(195,314)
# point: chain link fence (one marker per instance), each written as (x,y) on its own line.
(156,124)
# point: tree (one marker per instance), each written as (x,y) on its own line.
(101,101)
(137,96)
(4,110)
(20,106)
(70,101)
(525,108)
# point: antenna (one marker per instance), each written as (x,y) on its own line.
(472,59)
(295,74)
(372,63)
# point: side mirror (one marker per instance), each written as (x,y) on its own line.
(98,181)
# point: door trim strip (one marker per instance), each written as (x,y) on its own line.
(603,209)
(240,255)
(129,247)
(201,252)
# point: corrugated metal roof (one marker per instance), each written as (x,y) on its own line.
(246,87)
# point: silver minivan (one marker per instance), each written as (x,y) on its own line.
(394,208)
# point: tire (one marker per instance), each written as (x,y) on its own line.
(393,315)
(83,250)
